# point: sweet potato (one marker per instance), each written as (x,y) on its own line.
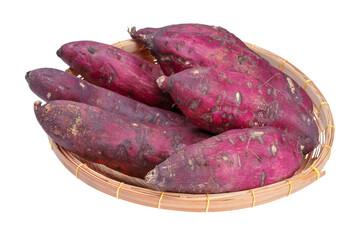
(117,70)
(131,147)
(52,84)
(214,31)
(176,52)
(218,100)
(235,160)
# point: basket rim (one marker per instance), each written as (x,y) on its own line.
(220,201)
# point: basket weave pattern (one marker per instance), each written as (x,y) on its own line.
(138,191)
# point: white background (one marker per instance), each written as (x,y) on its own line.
(40,199)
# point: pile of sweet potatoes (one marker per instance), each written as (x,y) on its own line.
(209,116)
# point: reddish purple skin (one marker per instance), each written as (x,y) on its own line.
(131,147)
(214,31)
(52,84)
(176,52)
(117,70)
(217,100)
(235,160)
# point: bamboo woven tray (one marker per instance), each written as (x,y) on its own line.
(137,191)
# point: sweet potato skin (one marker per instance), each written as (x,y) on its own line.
(235,160)
(218,100)
(178,51)
(53,84)
(133,148)
(117,70)
(215,31)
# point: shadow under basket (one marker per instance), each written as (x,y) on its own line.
(138,191)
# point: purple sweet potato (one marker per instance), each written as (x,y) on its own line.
(131,147)
(214,31)
(235,160)
(52,84)
(218,100)
(117,70)
(176,52)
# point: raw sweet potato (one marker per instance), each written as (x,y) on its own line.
(131,147)
(218,100)
(235,160)
(214,31)
(176,52)
(117,70)
(52,84)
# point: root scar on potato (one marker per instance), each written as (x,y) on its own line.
(160,80)
(82,85)
(238,98)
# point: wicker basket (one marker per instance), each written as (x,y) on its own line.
(137,191)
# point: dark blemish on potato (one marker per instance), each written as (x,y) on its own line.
(163,156)
(102,79)
(191,164)
(90,50)
(204,87)
(195,104)
(231,163)
(144,149)
(305,119)
(223,75)
(218,99)
(179,46)
(147,117)
(231,116)
(229,80)
(273,112)
(207,117)
(166,58)
(224,115)
(240,59)
(110,79)
(122,151)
